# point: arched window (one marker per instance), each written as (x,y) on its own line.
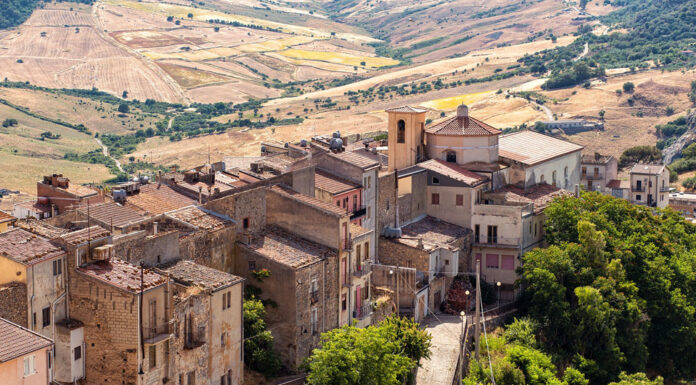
(542,179)
(451,157)
(565,172)
(401,131)
(553,178)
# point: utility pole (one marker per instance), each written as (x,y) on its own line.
(478,306)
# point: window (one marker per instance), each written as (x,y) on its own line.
(435,199)
(338,203)
(369,182)
(357,252)
(638,197)
(367,251)
(553,178)
(508,262)
(355,202)
(314,322)
(29,365)
(46,315)
(542,179)
(57,267)
(252,265)
(344,303)
(584,171)
(401,131)
(33,320)
(565,172)
(477,233)
(345,202)
(222,339)
(152,353)
(226,300)
(192,378)
(492,234)
(535,229)
(245,223)
(492,261)
(460,200)
(436,180)
(229,299)
(451,157)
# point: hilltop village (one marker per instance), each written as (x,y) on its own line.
(145,283)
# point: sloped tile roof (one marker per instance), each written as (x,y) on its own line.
(26,248)
(199,218)
(122,275)
(541,195)
(314,202)
(112,213)
(18,341)
(651,169)
(452,170)
(331,183)
(407,109)
(530,148)
(158,199)
(462,126)
(192,273)
(355,158)
(288,249)
(5,217)
(81,236)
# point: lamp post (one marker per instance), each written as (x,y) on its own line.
(498,284)
(462,343)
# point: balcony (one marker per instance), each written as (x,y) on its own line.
(362,270)
(363,311)
(593,177)
(638,188)
(360,212)
(159,333)
(314,297)
(497,241)
(664,189)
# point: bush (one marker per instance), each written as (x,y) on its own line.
(123,108)
(640,154)
(629,87)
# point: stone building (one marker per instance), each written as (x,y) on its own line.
(34,264)
(208,326)
(432,247)
(25,356)
(650,185)
(684,203)
(125,311)
(57,192)
(597,172)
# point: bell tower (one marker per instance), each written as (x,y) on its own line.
(406,127)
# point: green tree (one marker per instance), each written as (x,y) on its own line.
(629,87)
(123,108)
(637,379)
(258,341)
(383,354)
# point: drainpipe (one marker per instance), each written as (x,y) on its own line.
(33,289)
(350,288)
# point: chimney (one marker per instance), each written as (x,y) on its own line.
(53,210)
(159,178)
(154,227)
(462,111)
(420,242)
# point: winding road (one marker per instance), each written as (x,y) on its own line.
(105,151)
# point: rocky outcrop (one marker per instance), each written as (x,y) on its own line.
(674,151)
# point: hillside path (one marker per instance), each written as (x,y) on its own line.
(105,151)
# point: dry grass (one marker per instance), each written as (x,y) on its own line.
(191,78)
(339,58)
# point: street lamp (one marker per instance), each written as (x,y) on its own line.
(467,298)
(498,284)
(461,345)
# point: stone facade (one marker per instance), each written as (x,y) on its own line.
(13,303)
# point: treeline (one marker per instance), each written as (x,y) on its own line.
(615,291)
(16,12)
(661,32)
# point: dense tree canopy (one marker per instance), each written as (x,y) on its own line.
(381,355)
(616,289)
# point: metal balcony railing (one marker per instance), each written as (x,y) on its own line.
(593,176)
(358,213)
(664,189)
(362,269)
(363,311)
(638,188)
(159,332)
(501,241)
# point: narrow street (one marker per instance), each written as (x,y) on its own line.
(441,368)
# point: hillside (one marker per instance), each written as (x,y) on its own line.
(15,12)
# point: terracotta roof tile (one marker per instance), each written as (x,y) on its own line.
(407,109)
(5,217)
(325,206)
(191,273)
(41,228)
(287,249)
(81,236)
(122,275)
(200,218)
(357,231)
(26,248)
(651,169)
(112,213)
(541,195)
(432,231)
(18,341)
(452,170)
(530,147)
(592,159)
(462,126)
(332,184)
(356,158)
(158,199)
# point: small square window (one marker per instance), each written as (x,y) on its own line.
(435,199)
(436,180)
(252,265)
(460,200)
(46,315)
(245,223)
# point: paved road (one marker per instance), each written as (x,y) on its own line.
(441,368)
